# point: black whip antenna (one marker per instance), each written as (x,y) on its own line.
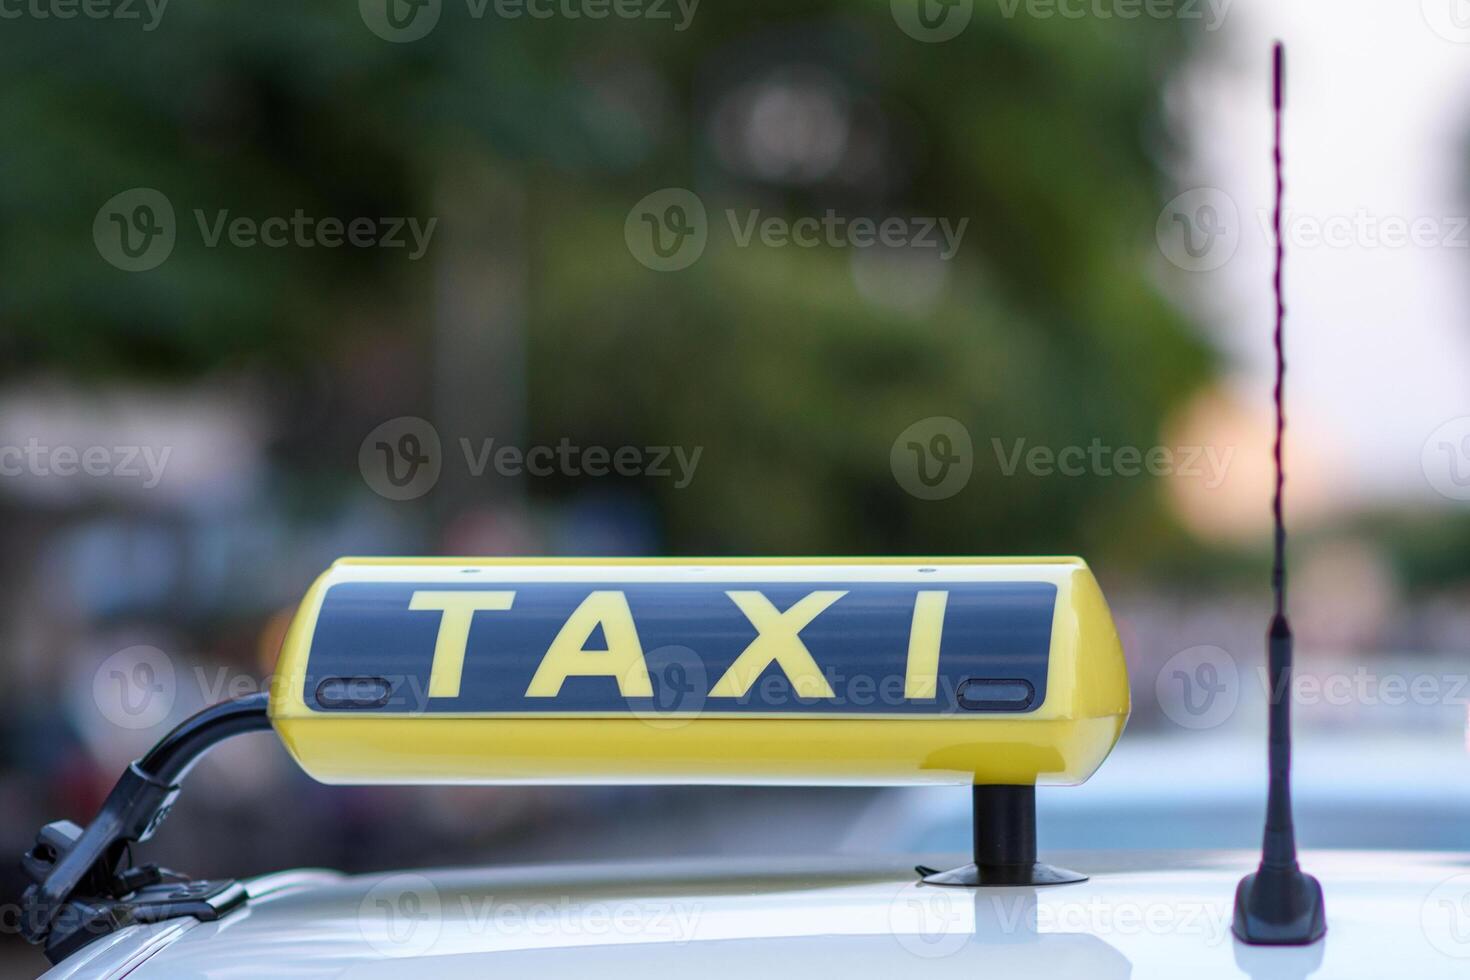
(1279,905)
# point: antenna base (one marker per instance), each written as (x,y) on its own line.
(1279,907)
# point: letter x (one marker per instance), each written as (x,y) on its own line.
(777,641)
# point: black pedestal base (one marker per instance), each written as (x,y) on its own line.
(1005,844)
(977,876)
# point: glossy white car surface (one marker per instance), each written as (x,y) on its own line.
(1350,790)
(1159,914)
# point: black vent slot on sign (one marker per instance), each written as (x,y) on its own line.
(984,694)
(353,692)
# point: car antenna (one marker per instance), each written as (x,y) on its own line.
(1279,905)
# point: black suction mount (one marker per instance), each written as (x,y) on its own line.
(1005,844)
(82,888)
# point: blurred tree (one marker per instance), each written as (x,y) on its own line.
(794,368)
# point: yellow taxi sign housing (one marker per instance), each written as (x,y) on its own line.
(866,671)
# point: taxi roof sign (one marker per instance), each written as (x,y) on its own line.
(848,671)
(997,672)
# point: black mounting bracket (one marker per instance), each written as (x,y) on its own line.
(1005,844)
(82,888)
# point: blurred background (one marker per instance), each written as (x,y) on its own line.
(279,281)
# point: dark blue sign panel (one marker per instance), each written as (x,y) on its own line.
(826,648)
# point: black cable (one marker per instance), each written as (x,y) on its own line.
(176,752)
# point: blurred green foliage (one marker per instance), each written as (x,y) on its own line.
(1044,134)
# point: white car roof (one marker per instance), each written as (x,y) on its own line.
(1390,914)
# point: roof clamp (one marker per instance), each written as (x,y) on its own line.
(82,888)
